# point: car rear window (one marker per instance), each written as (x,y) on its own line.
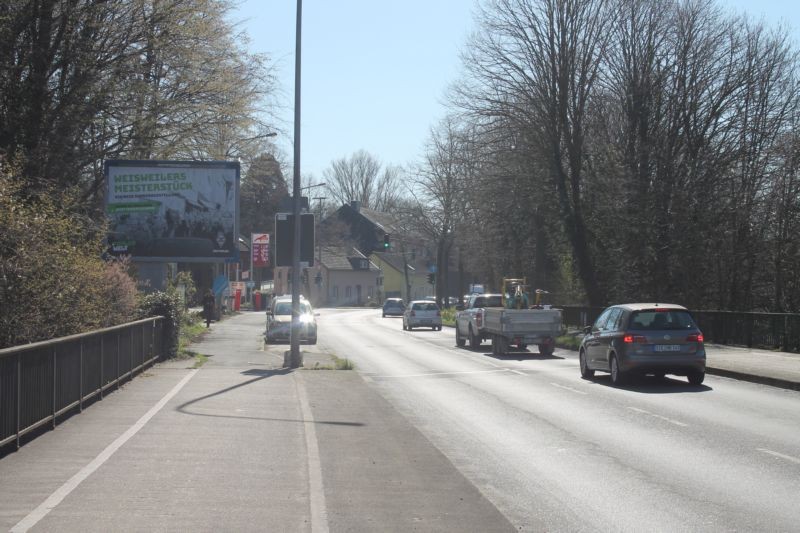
(653,320)
(285,308)
(426,307)
(488,301)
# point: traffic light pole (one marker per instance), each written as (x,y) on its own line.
(295,357)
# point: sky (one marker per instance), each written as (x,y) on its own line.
(375,72)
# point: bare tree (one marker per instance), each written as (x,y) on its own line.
(359,178)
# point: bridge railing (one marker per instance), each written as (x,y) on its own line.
(762,330)
(43,381)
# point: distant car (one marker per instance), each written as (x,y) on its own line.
(393,307)
(279,321)
(644,338)
(422,313)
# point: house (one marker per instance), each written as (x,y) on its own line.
(340,277)
(393,274)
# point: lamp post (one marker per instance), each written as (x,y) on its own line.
(295,357)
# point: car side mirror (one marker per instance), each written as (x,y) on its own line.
(587,329)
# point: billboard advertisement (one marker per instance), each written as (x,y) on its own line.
(260,249)
(173,210)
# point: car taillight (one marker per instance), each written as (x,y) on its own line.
(479,319)
(438,313)
(695,338)
(630,339)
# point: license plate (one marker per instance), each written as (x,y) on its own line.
(667,347)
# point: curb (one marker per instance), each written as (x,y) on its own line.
(753,378)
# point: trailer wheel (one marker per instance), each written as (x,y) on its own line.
(499,345)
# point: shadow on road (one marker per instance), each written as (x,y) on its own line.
(653,385)
(521,355)
(260,375)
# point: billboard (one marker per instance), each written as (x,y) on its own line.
(259,249)
(173,211)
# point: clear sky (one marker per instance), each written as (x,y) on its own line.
(374,72)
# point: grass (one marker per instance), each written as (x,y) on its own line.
(569,342)
(449,317)
(192,329)
(338,364)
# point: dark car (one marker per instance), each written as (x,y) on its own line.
(644,338)
(393,307)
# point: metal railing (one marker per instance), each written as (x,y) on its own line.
(764,330)
(42,381)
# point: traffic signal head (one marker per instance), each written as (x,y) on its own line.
(431,278)
(386,242)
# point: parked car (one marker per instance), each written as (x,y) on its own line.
(393,307)
(644,338)
(422,313)
(279,321)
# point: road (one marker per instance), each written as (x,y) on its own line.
(553,451)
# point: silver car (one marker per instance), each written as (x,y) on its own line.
(644,338)
(279,321)
(422,313)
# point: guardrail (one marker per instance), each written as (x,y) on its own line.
(764,330)
(42,381)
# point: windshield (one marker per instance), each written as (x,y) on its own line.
(661,320)
(285,308)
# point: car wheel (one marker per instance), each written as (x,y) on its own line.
(696,377)
(460,341)
(474,341)
(383,315)
(313,340)
(617,375)
(660,375)
(522,346)
(586,372)
(546,350)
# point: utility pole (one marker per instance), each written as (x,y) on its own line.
(295,357)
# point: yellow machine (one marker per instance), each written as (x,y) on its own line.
(515,294)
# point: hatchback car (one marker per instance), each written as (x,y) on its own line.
(422,313)
(644,338)
(393,307)
(279,321)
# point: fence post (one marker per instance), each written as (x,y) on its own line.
(119,347)
(55,381)
(18,413)
(102,360)
(80,380)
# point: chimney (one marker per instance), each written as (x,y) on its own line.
(356,205)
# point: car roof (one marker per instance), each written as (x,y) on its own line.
(650,306)
(423,302)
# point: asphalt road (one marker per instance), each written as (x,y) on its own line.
(553,451)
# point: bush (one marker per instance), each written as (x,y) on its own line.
(169,305)
(53,279)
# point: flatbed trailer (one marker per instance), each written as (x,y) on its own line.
(522,327)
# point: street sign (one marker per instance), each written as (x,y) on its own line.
(284,239)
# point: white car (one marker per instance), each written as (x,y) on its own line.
(279,321)
(422,313)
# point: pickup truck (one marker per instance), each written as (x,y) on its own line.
(521,327)
(469,321)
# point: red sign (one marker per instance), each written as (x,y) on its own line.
(260,249)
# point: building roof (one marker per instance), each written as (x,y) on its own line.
(343,259)
(393,260)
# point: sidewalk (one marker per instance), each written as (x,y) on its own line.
(241,444)
(779,369)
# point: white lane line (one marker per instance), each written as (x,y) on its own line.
(569,389)
(444,373)
(782,456)
(493,364)
(316,491)
(518,372)
(664,418)
(62,492)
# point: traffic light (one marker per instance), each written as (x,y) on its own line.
(431,278)
(386,242)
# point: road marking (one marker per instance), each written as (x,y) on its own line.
(62,492)
(316,492)
(517,372)
(569,388)
(446,373)
(664,418)
(782,456)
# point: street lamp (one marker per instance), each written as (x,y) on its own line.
(295,357)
